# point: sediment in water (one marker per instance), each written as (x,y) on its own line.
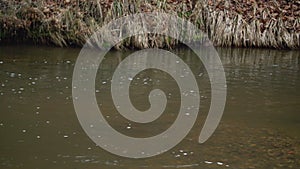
(238,23)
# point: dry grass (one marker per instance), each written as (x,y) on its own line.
(70,23)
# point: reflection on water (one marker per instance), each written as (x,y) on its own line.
(259,128)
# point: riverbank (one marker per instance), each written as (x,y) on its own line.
(239,23)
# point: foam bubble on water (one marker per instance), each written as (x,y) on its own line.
(12,74)
(208,162)
(220,163)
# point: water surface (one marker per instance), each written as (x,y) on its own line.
(259,128)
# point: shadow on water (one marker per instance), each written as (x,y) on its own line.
(259,128)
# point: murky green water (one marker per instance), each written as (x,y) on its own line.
(259,128)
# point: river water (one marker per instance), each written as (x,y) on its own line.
(259,129)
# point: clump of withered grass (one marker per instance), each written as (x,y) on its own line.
(253,23)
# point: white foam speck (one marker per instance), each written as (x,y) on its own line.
(219,163)
(208,162)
